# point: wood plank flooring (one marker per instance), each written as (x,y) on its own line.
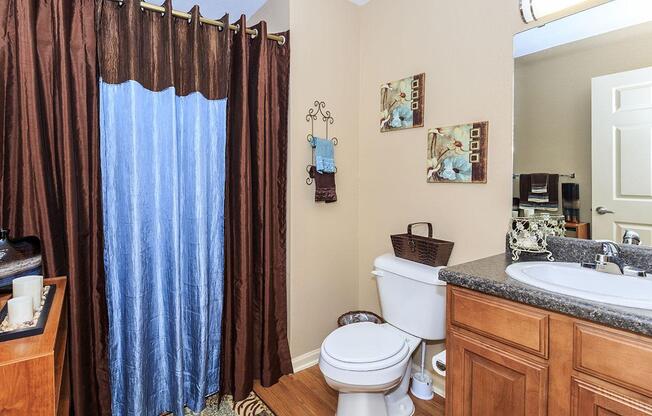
(307,394)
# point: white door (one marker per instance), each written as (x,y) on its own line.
(622,155)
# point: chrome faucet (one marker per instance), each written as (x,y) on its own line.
(610,261)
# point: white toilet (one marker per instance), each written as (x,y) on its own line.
(369,364)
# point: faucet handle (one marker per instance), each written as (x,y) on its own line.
(610,248)
(631,237)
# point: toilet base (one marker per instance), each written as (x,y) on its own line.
(401,407)
(396,402)
(362,404)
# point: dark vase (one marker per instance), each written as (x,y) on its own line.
(18,257)
(7,250)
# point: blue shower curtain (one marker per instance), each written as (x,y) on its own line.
(163,176)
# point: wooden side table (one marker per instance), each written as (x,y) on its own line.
(34,370)
(582,230)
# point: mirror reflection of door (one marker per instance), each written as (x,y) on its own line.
(622,154)
(583,118)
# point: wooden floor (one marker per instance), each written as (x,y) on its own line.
(307,394)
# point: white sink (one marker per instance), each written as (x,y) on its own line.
(574,280)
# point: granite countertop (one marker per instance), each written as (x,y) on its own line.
(488,276)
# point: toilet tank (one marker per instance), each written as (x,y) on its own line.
(412,297)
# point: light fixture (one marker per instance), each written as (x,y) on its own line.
(532,10)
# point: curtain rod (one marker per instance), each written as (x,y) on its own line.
(183,15)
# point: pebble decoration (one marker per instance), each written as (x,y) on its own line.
(5,326)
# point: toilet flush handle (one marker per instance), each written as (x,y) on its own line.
(377,273)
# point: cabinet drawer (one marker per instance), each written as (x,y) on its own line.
(590,399)
(504,321)
(616,356)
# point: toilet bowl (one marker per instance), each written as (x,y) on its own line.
(369,365)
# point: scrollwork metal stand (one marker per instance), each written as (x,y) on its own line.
(314,113)
(529,234)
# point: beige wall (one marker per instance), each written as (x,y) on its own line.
(323,238)
(276,13)
(552,129)
(465,49)
(341,53)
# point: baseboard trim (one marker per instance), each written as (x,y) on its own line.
(306,360)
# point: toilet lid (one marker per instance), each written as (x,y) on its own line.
(363,342)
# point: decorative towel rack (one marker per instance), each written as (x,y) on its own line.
(312,116)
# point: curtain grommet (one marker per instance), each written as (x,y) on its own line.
(237,28)
(255,34)
(283,41)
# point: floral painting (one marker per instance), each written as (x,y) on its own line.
(458,154)
(401,103)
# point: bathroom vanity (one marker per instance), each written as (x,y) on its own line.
(572,337)
(514,349)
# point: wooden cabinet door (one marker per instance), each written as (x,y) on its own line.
(593,400)
(487,381)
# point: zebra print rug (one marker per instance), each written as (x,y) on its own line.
(251,406)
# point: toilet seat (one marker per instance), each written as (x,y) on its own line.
(364,347)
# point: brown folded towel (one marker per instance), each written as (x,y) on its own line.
(553,189)
(524,187)
(324,186)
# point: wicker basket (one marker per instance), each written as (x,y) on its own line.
(426,250)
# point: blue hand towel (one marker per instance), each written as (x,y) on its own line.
(324,155)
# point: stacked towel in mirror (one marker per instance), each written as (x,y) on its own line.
(539,191)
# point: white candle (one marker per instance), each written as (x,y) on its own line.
(20,309)
(31,286)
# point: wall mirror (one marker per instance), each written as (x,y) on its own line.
(583,121)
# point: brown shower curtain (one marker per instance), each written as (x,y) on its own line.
(254,338)
(50,177)
(49,168)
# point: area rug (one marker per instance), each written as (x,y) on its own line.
(251,406)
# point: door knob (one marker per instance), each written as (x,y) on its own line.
(603,210)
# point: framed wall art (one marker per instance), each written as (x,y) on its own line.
(458,154)
(401,103)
